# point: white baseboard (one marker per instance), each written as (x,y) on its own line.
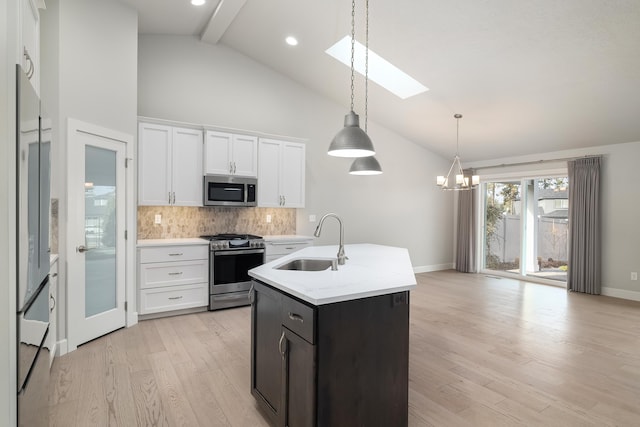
(620,293)
(435,267)
(63,348)
(132,319)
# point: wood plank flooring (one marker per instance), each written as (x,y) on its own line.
(484,351)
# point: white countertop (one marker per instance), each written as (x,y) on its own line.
(172,242)
(371,270)
(287,237)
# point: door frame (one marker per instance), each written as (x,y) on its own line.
(74,128)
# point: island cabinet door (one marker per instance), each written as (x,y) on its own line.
(266,358)
(299,381)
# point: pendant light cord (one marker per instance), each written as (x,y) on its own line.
(458,117)
(353,48)
(366,68)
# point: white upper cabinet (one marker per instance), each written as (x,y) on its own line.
(187,167)
(281,174)
(30,41)
(169,166)
(230,154)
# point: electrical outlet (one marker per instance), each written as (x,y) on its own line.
(157,219)
(268,219)
(634,275)
(312,218)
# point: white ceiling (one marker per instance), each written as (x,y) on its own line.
(528,76)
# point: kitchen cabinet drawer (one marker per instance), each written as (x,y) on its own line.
(298,317)
(173,298)
(173,253)
(155,275)
(285,248)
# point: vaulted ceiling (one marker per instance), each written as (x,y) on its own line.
(528,76)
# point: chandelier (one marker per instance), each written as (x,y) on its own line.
(456,179)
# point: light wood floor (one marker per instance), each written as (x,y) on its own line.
(483,352)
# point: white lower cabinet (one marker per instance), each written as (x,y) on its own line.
(281,247)
(173,277)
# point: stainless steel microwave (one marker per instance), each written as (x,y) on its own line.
(222,190)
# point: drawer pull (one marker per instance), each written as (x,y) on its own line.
(280,346)
(180,297)
(294,316)
(175,274)
(177,254)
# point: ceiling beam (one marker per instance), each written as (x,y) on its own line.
(222,17)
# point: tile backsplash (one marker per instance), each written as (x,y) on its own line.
(182,221)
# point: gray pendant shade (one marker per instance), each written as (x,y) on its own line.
(365,166)
(351,141)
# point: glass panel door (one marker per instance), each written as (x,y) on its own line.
(526,227)
(551,236)
(100,225)
(502,241)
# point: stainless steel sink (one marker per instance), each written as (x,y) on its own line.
(309,264)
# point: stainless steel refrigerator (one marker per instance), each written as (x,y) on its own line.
(32,248)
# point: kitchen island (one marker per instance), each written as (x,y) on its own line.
(331,348)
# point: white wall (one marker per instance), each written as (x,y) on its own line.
(180,78)
(620,209)
(8,57)
(89,63)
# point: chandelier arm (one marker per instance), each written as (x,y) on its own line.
(449,173)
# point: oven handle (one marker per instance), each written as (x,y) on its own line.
(242,252)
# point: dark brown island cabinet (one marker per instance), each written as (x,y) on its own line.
(338,364)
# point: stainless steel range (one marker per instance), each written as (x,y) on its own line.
(231,256)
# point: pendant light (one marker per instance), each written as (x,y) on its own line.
(366,165)
(351,141)
(455,179)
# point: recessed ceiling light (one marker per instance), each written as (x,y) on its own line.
(198,2)
(381,71)
(291,41)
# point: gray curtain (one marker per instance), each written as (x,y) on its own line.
(584,273)
(466,234)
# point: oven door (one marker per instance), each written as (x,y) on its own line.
(229,269)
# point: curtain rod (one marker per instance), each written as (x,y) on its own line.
(536,162)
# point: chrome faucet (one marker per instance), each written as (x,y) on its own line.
(341,256)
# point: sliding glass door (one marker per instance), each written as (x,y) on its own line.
(525,227)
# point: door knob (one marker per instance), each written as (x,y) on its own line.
(82,248)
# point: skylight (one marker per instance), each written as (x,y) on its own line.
(381,71)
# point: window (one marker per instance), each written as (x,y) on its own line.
(526,227)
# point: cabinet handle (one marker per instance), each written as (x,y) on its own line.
(54,275)
(54,303)
(230,167)
(281,347)
(169,202)
(284,200)
(180,297)
(294,316)
(32,67)
(176,254)
(252,297)
(175,274)
(174,198)
(234,167)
